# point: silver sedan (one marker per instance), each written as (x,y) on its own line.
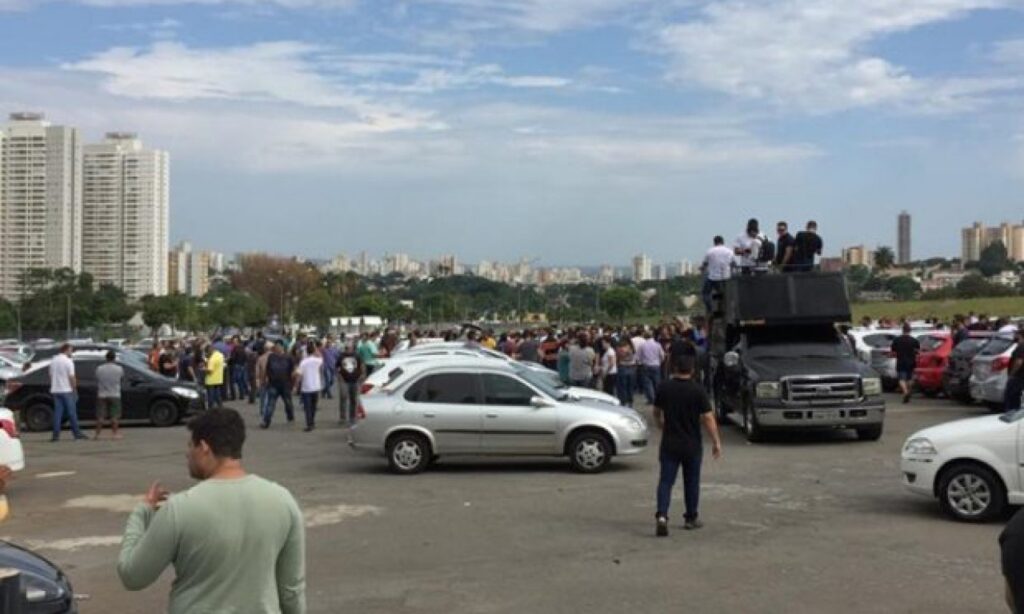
(482,409)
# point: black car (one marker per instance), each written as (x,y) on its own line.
(956,380)
(145,396)
(45,588)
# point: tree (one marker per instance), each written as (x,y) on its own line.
(858,274)
(884,258)
(370,305)
(621,301)
(316,307)
(994,259)
(975,286)
(274,280)
(903,288)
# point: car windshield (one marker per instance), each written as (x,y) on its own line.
(797,342)
(551,386)
(996,346)
(879,341)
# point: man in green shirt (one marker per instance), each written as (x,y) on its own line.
(237,541)
(369,352)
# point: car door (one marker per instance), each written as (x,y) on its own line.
(136,389)
(449,406)
(85,373)
(512,425)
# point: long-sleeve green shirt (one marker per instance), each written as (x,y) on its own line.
(237,546)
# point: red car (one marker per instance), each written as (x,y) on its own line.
(932,361)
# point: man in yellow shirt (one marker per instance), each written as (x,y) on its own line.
(214,377)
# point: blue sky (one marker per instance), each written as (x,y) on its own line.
(576,131)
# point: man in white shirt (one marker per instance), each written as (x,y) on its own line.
(310,383)
(717,268)
(748,245)
(63,386)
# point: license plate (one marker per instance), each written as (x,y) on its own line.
(826,415)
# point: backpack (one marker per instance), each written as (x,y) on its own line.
(767,251)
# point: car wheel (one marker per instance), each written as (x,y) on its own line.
(870,433)
(163,413)
(971,493)
(408,453)
(38,417)
(590,452)
(751,428)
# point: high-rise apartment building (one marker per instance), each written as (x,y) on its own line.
(903,239)
(642,268)
(975,238)
(858,255)
(188,271)
(125,201)
(40,199)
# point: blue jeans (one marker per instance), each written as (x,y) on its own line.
(271,404)
(347,400)
(670,464)
(65,402)
(213,399)
(309,407)
(650,383)
(239,382)
(328,375)
(1012,394)
(625,385)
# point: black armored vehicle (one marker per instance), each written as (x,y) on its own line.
(778,360)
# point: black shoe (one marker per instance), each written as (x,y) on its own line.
(264,425)
(906,399)
(661,526)
(80,437)
(307,429)
(693,524)
(53,439)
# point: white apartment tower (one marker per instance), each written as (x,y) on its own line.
(40,199)
(125,205)
(642,268)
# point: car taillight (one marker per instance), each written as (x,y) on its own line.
(360,411)
(1001,363)
(365,388)
(9,427)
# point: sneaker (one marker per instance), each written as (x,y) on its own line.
(307,429)
(264,425)
(80,437)
(906,399)
(53,439)
(693,524)
(661,526)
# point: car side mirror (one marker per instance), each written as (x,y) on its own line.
(731,360)
(540,402)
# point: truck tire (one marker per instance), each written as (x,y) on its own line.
(753,430)
(38,417)
(870,433)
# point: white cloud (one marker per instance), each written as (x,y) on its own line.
(544,15)
(812,54)
(327,4)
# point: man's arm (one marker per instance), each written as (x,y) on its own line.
(291,566)
(787,255)
(148,547)
(711,426)
(659,418)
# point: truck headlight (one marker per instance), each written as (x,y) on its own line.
(872,386)
(188,393)
(919,446)
(768,390)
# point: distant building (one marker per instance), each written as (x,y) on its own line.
(40,199)
(831,265)
(125,209)
(975,238)
(642,268)
(658,272)
(606,276)
(858,255)
(188,271)
(903,239)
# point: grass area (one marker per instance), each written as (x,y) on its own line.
(1012,306)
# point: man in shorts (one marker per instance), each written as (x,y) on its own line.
(108,394)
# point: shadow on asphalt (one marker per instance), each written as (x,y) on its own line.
(452,466)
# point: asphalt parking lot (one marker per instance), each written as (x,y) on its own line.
(804,524)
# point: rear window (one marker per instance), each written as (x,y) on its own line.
(879,341)
(970,346)
(448,388)
(930,344)
(996,346)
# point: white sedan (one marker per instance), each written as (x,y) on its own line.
(11,453)
(971,466)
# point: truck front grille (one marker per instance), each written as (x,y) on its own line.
(831,389)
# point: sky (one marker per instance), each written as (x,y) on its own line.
(576,132)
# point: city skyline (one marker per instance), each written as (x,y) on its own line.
(441,126)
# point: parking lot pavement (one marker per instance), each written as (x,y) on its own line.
(802,524)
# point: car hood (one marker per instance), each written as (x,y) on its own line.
(619,410)
(777,368)
(981,428)
(592,395)
(27,562)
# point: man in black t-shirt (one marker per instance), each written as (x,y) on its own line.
(806,246)
(280,370)
(784,248)
(681,407)
(906,349)
(1015,375)
(1011,545)
(350,371)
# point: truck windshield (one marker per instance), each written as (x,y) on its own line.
(797,342)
